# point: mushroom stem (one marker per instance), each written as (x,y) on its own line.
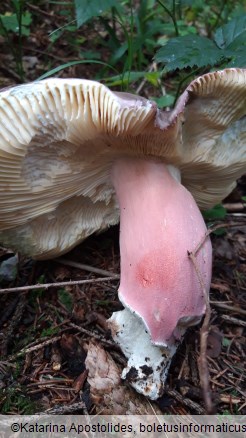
(159,223)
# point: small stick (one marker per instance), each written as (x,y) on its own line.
(232,320)
(34,348)
(185,401)
(86,267)
(203,365)
(226,307)
(61,283)
(67,409)
(92,334)
(238,206)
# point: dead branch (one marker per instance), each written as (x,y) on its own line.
(202,362)
(61,283)
(86,267)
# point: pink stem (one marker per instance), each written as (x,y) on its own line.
(159,223)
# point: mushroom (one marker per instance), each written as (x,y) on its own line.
(75,157)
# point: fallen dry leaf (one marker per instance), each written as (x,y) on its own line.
(214,342)
(109,391)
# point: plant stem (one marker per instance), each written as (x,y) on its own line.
(171,15)
(182,82)
(19,57)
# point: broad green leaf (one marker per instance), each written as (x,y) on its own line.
(236,51)
(217,212)
(164,101)
(153,77)
(11,24)
(87,9)
(237,56)
(226,34)
(189,51)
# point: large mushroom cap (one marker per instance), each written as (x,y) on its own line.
(59,138)
(214,134)
(74,155)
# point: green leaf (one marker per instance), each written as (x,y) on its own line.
(226,342)
(217,212)
(153,77)
(69,64)
(87,9)
(236,51)
(128,77)
(189,51)
(237,57)
(11,24)
(66,299)
(164,101)
(49,332)
(226,34)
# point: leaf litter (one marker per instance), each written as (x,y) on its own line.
(57,353)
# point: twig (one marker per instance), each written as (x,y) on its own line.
(150,69)
(237,310)
(232,320)
(185,401)
(237,206)
(46,14)
(92,334)
(34,348)
(45,53)
(171,15)
(14,321)
(61,283)
(86,267)
(10,72)
(202,363)
(61,410)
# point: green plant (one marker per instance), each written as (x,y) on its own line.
(15,399)
(127,44)
(227,48)
(16,22)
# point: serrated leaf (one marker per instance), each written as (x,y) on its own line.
(188,51)
(236,52)
(226,34)
(87,9)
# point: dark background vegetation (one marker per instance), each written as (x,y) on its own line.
(153,48)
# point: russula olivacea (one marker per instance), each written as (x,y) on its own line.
(75,158)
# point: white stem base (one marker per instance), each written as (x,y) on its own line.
(148,364)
